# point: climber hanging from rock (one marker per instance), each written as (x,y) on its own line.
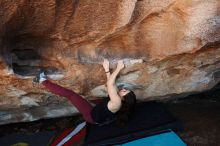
(117,107)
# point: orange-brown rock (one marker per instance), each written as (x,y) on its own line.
(178,39)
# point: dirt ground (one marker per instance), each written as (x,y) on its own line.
(199,113)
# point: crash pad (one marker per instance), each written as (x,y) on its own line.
(147,119)
(168,138)
(37,139)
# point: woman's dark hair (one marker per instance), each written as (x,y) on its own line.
(128,105)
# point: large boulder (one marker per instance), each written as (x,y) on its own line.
(179,41)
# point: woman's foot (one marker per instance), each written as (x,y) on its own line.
(40,77)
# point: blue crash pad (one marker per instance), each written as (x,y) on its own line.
(163,139)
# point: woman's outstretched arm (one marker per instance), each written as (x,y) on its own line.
(115,101)
(105,65)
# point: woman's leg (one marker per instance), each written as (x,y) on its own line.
(78,101)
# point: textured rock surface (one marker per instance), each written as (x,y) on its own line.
(178,39)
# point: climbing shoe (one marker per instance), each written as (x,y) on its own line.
(40,77)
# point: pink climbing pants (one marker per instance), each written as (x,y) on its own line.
(83,106)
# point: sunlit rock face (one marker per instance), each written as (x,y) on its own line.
(179,40)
